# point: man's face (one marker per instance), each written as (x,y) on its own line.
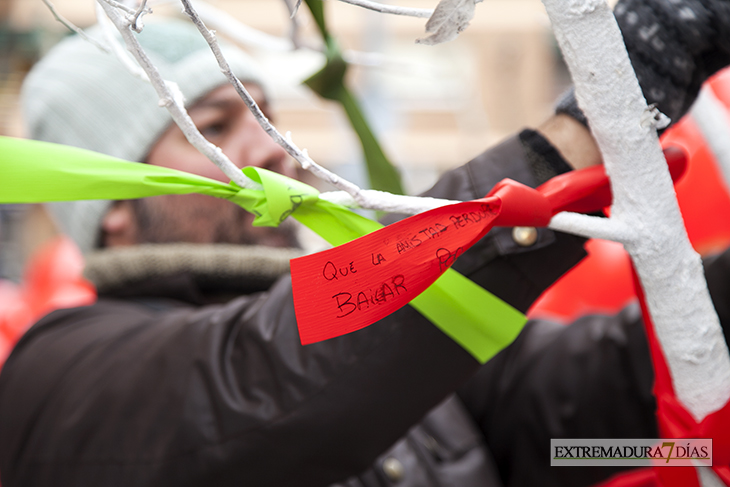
(223,119)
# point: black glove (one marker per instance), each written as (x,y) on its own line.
(674,46)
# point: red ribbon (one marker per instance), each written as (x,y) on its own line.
(351,286)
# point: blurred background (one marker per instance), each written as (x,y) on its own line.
(432,107)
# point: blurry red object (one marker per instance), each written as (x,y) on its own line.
(52,280)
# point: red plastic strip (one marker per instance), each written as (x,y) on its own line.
(351,286)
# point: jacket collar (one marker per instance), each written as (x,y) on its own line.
(194,273)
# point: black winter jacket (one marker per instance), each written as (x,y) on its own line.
(153,386)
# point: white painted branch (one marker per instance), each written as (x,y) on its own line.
(294,25)
(711,117)
(108,31)
(285,142)
(387,202)
(590,226)
(172,99)
(364,199)
(423,13)
(644,201)
(137,17)
(293,7)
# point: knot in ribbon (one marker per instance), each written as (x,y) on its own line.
(280,198)
(349,287)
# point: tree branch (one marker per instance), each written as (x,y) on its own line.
(352,195)
(172,99)
(108,31)
(591,226)
(422,13)
(644,201)
(370,200)
(387,202)
(137,17)
(293,8)
(243,34)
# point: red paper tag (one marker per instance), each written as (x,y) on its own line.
(346,288)
(349,287)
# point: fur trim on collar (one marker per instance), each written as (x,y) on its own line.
(118,267)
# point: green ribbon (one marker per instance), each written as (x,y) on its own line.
(35,172)
(329,83)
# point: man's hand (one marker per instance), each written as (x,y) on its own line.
(572,139)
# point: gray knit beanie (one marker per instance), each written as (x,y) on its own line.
(80,96)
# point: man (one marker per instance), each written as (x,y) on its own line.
(189,371)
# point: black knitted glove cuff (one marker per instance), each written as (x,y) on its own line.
(544,160)
(667,43)
(674,46)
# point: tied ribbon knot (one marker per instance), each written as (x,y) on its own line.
(351,286)
(34,172)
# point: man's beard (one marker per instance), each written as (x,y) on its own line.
(205,219)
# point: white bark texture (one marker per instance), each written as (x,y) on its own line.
(645,213)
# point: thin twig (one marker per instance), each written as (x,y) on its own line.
(243,34)
(69,25)
(351,194)
(296,8)
(108,31)
(387,202)
(293,21)
(423,13)
(300,156)
(172,99)
(592,227)
(136,26)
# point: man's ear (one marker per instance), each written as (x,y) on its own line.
(119,225)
